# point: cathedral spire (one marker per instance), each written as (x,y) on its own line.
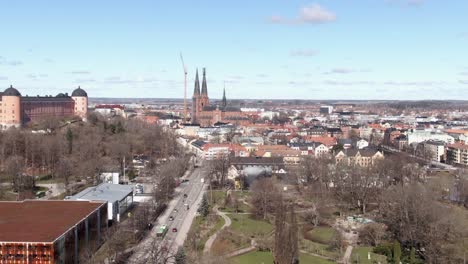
(196,90)
(224,102)
(204,90)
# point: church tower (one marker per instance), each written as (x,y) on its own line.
(195,99)
(204,100)
(224,102)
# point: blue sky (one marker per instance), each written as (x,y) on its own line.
(330,49)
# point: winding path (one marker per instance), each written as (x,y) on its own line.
(227,222)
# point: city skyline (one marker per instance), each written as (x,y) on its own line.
(373,49)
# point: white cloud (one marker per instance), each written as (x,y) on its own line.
(7,62)
(346,71)
(2,78)
(85,80)
(313,14)
(80,72)
(348,83)
(316,14)
(463,81)
(303,53)
(414,3)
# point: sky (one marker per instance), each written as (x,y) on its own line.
(266,49)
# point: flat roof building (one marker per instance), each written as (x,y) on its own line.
(41,231)
(119,198)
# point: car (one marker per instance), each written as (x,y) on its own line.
(185,195)
(171,218)
(175,210)
(174,230)
(185,180)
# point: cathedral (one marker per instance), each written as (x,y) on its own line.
(207,115)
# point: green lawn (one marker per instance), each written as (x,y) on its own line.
(360,255)
(322,234)
(267,258)
(318,248)
(248,226)
(219,199)
(206,228)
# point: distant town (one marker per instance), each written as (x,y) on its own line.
(203,180)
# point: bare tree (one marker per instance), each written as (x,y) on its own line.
(419,220)
(286,235)
(265,196)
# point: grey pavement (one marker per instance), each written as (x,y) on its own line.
(183,218)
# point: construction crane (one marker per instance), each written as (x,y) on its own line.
(185,87)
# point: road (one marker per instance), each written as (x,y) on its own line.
(432,162)
(183,218)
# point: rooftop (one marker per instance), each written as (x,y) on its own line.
(41,221)
(104,192)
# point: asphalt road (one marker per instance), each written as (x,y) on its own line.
(183,218)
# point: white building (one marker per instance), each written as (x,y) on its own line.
(418,136)
(119,198)
(361,143)
(436,149)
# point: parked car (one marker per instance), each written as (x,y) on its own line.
(171,218)
(174,230)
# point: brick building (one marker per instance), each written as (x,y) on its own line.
(17,110)
(206,115)
(48,232)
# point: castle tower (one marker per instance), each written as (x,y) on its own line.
(11,108)
(196,99)
(81,102)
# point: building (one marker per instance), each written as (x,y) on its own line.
(119,198)
(361,143)
(358,157)
(434,149)
(418,136)
(205,114)
(326,109)
(457,154)
(45,231)
(17,110)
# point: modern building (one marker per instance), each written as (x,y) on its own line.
(119,198)
(205,114)
(434,149)
(457,154)
(17,110)
(418,136)
(44,231)
(326,109)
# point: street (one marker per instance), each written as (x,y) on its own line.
(182,219)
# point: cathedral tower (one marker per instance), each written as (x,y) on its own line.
(195,99)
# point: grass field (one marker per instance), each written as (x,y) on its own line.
(322,234)
(360,255)
(206,227)
(318,248)
(267,258)
(250,227)
(219,199)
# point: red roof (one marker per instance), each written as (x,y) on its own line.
(109,106)
(41,221)
(327,141)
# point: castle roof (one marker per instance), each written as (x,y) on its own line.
(11,92)
(79,92)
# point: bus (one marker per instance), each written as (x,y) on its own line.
(162,231)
